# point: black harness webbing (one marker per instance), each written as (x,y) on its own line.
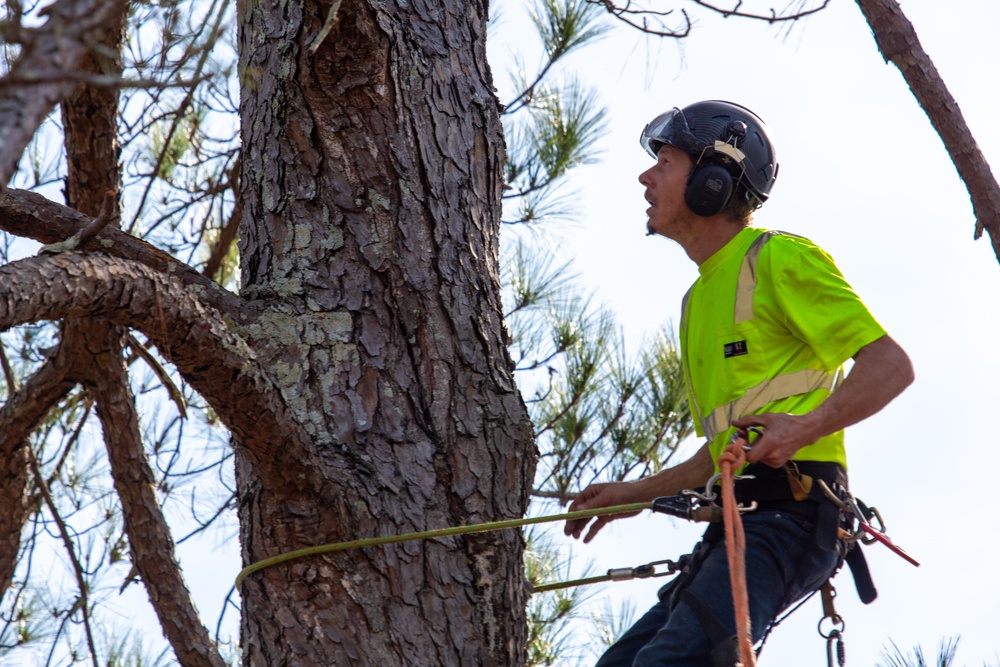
(862,576)
(725,645)
(772,488)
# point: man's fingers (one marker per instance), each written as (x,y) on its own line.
(601,520)
(575,527)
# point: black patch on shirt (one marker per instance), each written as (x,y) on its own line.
(736,349)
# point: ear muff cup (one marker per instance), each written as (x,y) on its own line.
(709,189)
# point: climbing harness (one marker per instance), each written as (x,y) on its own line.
(739,493)
(834,521)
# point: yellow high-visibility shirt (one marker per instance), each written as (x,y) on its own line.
(767,327)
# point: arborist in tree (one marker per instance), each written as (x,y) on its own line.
(765,331)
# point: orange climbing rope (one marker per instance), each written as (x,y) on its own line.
(732,458)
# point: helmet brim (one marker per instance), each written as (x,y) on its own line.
(670,128)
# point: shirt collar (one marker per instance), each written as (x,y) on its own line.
(736,247)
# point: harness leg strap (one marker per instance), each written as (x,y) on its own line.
(725,645)
(862,577)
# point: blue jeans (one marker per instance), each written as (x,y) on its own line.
(783,565)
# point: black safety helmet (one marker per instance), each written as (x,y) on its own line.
(720,133)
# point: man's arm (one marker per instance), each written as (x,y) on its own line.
(690,474)
(881,371)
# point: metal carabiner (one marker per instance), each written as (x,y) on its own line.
(744,433)
(851,506)
(709,495)
(836,636)
(643,571)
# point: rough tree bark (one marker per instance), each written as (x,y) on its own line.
(371,183)
(898,43)
(363,370)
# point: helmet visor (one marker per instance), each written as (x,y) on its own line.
(670,128)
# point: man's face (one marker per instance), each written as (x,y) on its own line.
(665,183)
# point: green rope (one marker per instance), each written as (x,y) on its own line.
(434,534)
(586,581)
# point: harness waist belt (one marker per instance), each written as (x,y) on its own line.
(771,485)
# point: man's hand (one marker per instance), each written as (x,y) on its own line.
(690,474)
(595,496)
(784,434)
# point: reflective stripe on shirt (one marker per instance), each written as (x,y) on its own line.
(781,386)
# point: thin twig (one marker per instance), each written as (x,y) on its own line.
(40,77)
(92,229)
(8,372)
(328,25)
(175,394)
(772,17)
(84,604)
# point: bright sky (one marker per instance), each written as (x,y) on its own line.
(864,175)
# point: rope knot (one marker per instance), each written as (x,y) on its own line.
(733,455)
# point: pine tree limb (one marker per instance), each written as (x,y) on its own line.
(898,43)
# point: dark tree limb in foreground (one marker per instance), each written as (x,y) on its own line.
(150,540)
(189,333)
(20,415)
(73,29)
(898,43)
(93,187)
(31,215)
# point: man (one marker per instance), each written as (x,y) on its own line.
(765,330)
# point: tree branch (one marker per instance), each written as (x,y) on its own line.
(89,231)
(197,339)
(149,537)
(228,233)
(30,215)
(21,414)
(771,16)
(644,20)
(73,27)
(898,43)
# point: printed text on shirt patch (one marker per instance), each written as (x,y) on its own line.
(735,349)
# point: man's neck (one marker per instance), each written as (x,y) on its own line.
(710,236)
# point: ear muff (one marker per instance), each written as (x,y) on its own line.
(709,189)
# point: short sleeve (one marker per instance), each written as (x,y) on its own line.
(819,306)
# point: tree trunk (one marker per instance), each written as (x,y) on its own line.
(371,180)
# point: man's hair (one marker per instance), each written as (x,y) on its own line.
(740,210)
